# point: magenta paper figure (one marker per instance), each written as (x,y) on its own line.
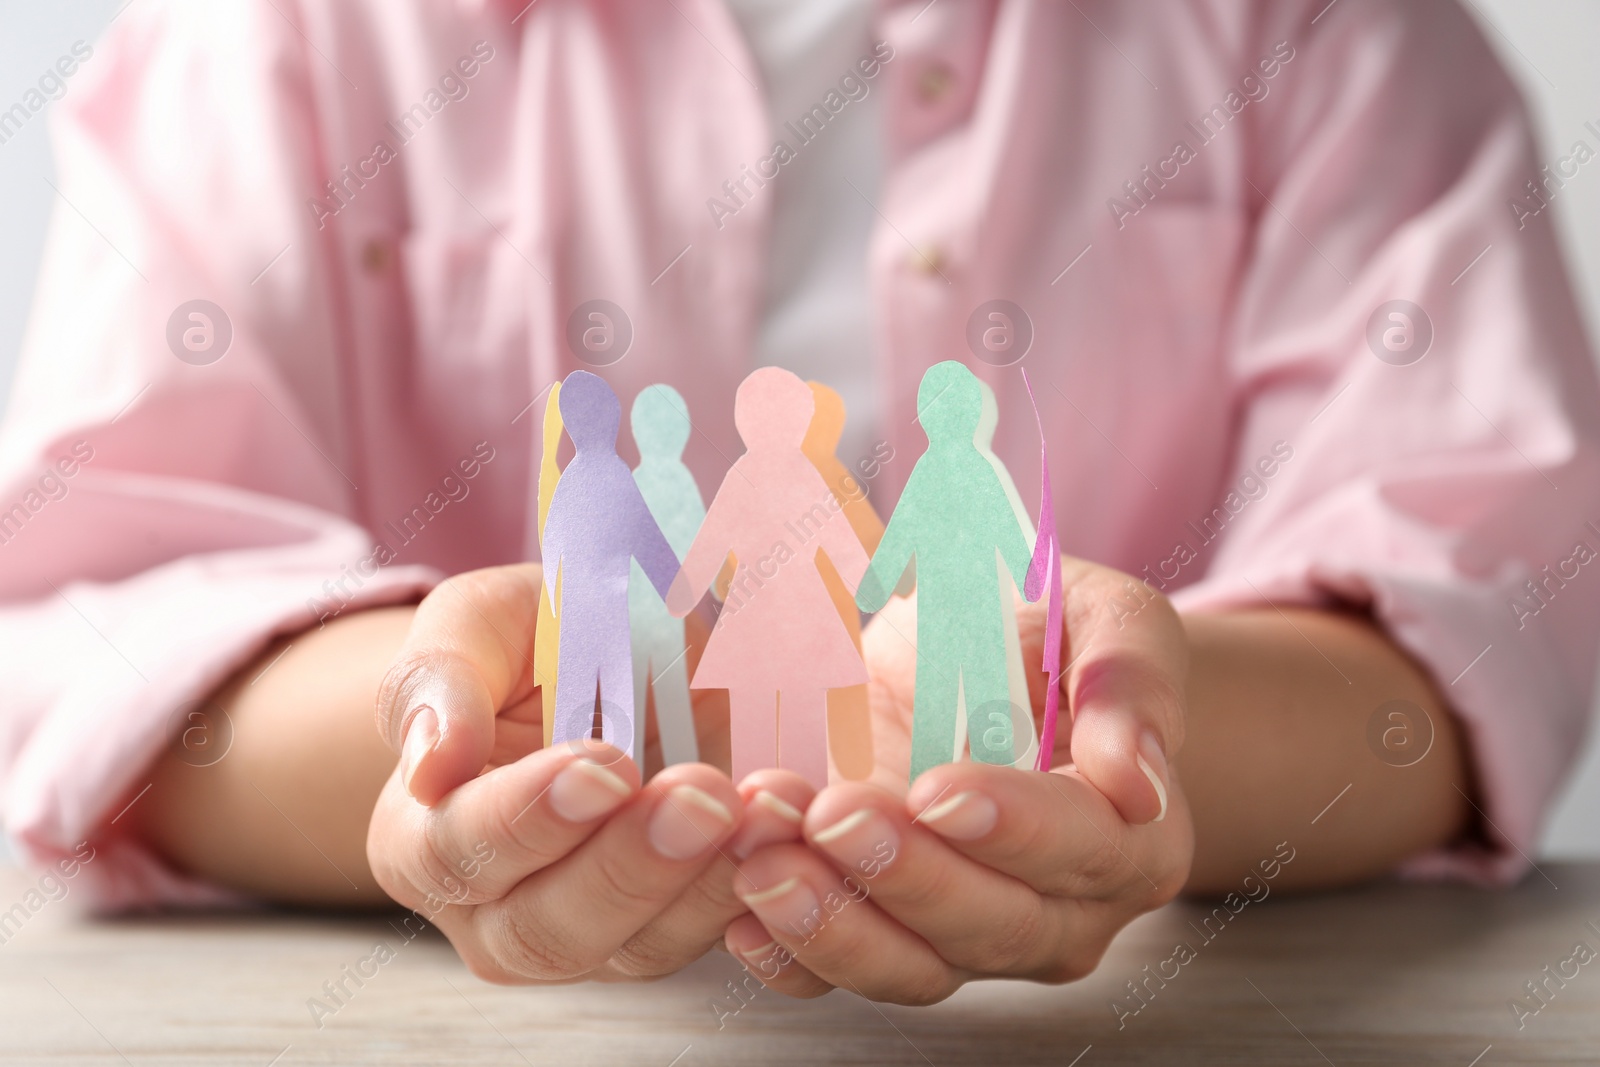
(598,522)
(1045,569)
(779,644)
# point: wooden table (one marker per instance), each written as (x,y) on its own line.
(1391,974)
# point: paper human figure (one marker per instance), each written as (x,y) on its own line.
(961,644)
(849,718)
(660,420)
(598,522)
(778,646)
(1044,576)
(546,634)
(1016,673)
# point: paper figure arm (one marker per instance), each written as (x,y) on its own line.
(551,548)
(549,469)
(710,548)
(1011,541)
(650,548)
(845,550)
(894,552)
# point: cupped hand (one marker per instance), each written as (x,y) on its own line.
(546,865)
(985,871)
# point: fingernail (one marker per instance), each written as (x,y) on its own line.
(584,790)
(759,953)
(769,959)
(421,738)
(964,817)
(864,841)
(1153,762)
(756,833)
(790,903)
(585,746)
(778,806)
(687,822)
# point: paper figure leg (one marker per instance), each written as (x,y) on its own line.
(849,713)
(753,730)
(990,734)
(802,740)
(674,712)
(641,690)
(575,688)
(616,703)
(933,718)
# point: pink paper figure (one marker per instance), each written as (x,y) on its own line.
(778,646)
(598,522)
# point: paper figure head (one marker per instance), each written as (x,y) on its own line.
(660,421)
(590,411)
(773,408)
(827,421)
(949,403)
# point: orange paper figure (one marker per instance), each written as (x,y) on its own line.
(849,719)
(546,634)
(779,645)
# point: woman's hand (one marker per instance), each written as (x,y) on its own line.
(984,871)
(548,865)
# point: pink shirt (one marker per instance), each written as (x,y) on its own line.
(1199,210)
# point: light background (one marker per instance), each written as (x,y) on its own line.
(1549,47)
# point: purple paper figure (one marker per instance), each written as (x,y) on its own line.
(598,522)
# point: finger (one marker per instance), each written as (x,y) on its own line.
(774,808)
(931,888)
(1056,832)
(776,967)
(465,659)
(571,917)
(690,925)
(1125,687)
(495,830)
(826,921)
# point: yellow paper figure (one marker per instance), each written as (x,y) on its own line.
(547,633)
(849,718)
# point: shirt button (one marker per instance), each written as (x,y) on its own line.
(935,82)
(927,261)
(375,256)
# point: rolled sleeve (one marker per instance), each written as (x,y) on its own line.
(129,659)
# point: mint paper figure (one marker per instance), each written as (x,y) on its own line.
(598,522)
(660,420)
(953,517)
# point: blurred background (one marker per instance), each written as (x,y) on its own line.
(1548,47)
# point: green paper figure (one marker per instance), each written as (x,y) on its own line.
(953,518)
(660,420)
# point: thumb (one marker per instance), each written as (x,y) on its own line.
(1120,742)
(466,657)
(1126,692)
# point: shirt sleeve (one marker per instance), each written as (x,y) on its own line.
(170,503)
(1416,398)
